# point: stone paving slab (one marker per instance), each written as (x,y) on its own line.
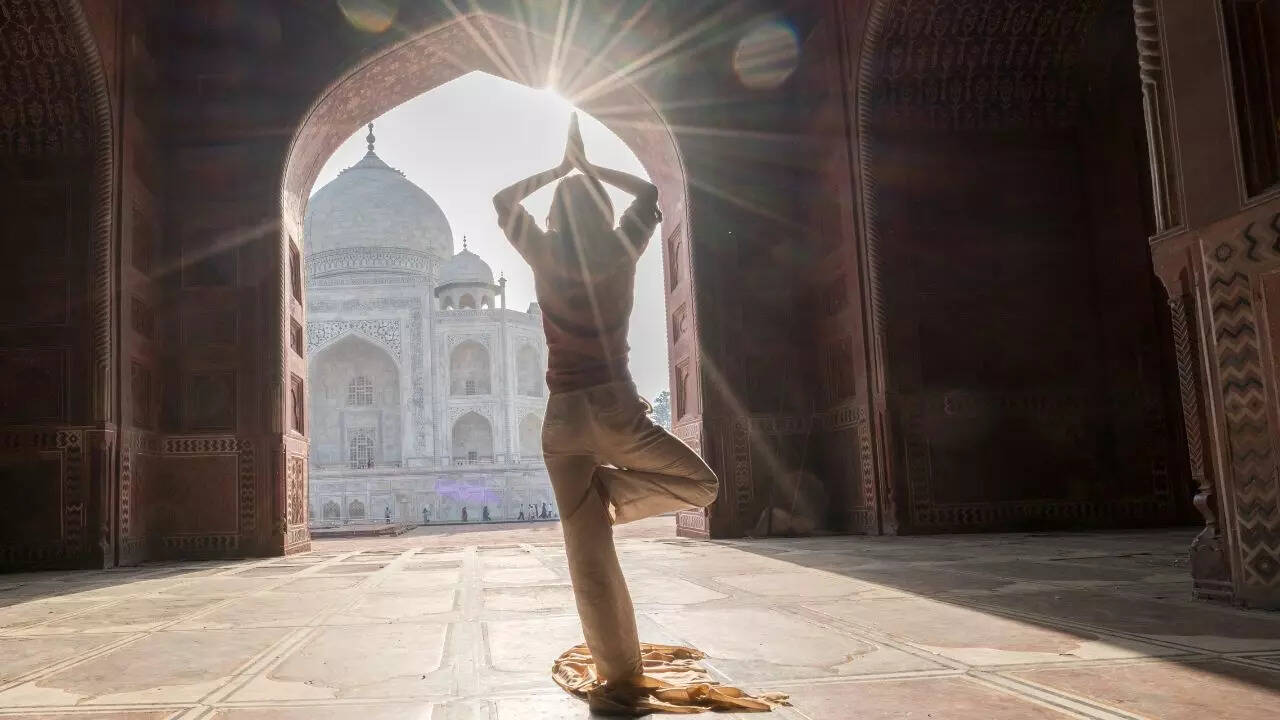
(464,626)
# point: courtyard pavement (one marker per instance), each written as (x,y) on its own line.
(464,626)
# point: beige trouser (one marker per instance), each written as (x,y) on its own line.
(600,441)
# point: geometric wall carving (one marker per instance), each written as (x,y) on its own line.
(225,483)
(1253,469)
(383,332)
(932,76)
(48,464)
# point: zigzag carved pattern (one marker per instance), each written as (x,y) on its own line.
(1188,385)
(1255,476)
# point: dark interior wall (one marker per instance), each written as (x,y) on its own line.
(843,457)
(1025,379)
(54,348)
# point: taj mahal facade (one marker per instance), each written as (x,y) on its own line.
(426,392)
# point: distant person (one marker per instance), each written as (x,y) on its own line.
(464,514)
(426,516)
(521,515)
(608,462)
(386,515)
(484,513)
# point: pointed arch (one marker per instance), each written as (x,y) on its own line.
(472,439)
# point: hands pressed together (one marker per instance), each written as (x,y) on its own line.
(575,153)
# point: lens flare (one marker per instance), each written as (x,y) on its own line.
(767,55)
(371,16)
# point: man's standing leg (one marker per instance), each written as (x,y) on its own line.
(600,590)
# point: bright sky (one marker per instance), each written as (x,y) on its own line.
(469,138)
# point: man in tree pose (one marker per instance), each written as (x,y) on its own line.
(608,462)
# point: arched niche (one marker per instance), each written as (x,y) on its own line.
(355,387)
(530,436)
(472,439)
(530,379)
(470,369)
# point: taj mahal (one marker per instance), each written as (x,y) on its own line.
(426,391)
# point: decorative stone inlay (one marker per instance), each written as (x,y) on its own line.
(487,410)
(419,398)
(361,305)
(383,332)
(333,262)
(482,338)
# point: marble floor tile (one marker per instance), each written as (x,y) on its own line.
(268,609)
(131,615)
(1171,690)
(365,661)
(422,580)
(314,584)
(530,598)
(1195,625)
(164,667)
(406,607)
(219,586)
(22,655)
(532,575)
(761,644)
(950,698)
(345,711)
(42,610)
(800,584)
(979,638)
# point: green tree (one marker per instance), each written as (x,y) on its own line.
(662,410)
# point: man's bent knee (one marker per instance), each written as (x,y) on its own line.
(706,487)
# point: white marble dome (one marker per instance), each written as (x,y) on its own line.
(465,268)
(372,205)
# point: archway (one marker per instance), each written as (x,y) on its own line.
(355,401)
(597,84)
(472,440)
(470,371)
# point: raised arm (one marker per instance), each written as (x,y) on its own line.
(624,181)
(507,198)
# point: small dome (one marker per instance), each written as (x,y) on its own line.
(372,205)
(466,268)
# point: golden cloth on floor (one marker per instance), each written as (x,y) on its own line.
(673,682)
